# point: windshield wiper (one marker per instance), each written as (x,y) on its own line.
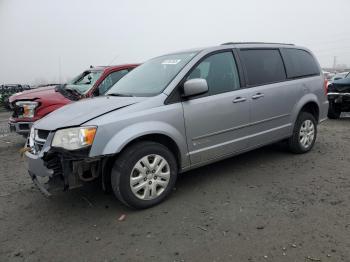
(117,94)
(73,91)
(68,93)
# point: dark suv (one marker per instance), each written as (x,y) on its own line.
(339,97)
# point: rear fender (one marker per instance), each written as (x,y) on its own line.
(307,98)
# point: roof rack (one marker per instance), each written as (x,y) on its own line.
(265,43)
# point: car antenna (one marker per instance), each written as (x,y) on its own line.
(112,60)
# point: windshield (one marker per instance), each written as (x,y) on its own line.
(152,77)
(83,82)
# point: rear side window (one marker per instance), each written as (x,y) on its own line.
(263,66)
(299,63)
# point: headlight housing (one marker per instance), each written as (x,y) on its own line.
(28,108)
(74,138)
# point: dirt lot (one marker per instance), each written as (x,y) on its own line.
(266,205)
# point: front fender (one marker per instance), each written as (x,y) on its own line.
(132,132)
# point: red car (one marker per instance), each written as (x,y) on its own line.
(29,106)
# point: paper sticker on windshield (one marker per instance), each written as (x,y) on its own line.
(171,62)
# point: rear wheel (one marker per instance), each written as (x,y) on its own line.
(304,134)
(334,110)
(144,174)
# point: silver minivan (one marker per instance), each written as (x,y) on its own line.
(177,112)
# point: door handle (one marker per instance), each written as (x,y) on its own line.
(239,99)
(257,95)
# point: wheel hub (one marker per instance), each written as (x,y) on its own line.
(149,177)
(307,133)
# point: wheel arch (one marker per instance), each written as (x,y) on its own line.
(308,103)
(312,108)
(159,132)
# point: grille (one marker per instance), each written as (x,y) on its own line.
(40,137)
(23,126)
(38,145)
(43,134)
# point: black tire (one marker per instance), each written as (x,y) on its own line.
(294,143)
(121,173)
(334,110)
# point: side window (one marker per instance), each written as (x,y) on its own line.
(110,80)
(299,63)
(263,66)
(220,71)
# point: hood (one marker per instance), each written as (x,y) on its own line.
(46,93)
(342,85)
(77,113)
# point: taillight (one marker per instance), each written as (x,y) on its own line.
(325,86)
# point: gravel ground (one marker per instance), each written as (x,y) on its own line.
(265,205)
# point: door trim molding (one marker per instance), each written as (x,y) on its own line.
(238,127)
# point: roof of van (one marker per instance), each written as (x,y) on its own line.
(255,43)
(240,45)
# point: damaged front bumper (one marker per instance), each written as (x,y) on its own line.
(36,168)
(61,169)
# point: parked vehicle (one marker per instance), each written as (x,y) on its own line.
(339,97)
(8,90)
(177,112)
(32,105)
(338,76)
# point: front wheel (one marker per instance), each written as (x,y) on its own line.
(144,174)
(304,134)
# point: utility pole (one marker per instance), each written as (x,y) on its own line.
(59,70)
(334,62)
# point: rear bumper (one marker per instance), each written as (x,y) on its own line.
(22,128)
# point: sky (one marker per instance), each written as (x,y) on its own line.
(52,41)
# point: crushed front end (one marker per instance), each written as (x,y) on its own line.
(339,94)
(62,169)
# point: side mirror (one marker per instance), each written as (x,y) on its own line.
(194,87)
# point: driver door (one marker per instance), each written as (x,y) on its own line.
(217,122)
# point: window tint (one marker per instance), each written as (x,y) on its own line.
(299,63)
(110,80)
(263,66)
(220,71)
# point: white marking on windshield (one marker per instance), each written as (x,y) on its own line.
(171,62)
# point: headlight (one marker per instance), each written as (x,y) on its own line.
(28,108)
(74,138)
